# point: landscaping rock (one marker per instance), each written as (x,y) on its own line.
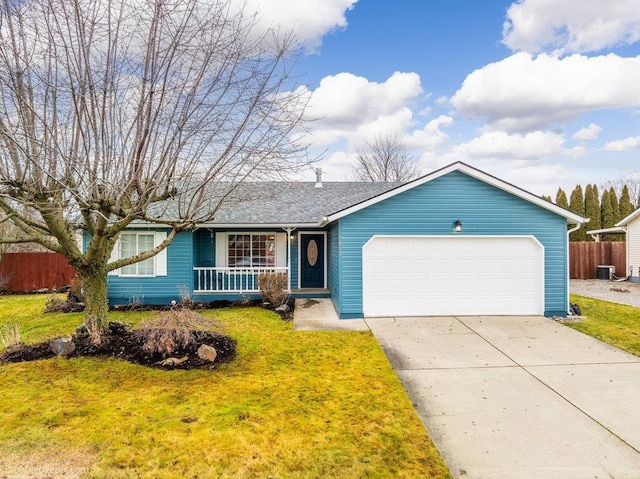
(82,330)
(207,353)
(62,346)
(284,309)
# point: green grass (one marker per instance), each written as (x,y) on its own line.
(615,324)
(292,404)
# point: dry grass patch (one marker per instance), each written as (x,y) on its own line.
(613,323)
(41,464)
(292,404)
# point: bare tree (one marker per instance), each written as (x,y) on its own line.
(632,181)
(386,158)
(6,231)
(115,111)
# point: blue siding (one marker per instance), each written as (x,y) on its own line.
(431,209)
(333,263)
(159,289)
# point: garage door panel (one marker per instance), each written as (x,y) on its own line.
(453,275)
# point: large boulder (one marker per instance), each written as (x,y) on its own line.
(283,309)
(62,346)
(207,353)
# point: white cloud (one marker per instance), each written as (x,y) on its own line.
(338,166)
(431,135)
(566,26)
(587,133)
(537,177)
(310,19)
(502,145)
(626,144)
(523,93)
(346,104)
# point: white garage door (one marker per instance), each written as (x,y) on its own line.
(452,275)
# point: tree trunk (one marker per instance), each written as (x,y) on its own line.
(96,305)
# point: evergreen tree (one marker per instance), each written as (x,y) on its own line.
(561,199)
(624,205)
(615,205)
(576,204)
(547,198)
(592,208)
(606,211)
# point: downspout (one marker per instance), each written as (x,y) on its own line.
(568,266)
(629,271)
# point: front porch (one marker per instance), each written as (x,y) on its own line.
(244,281)
(231,280)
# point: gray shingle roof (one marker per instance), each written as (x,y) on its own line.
(294,202)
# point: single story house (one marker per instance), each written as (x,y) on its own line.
(457,241)
(630,226)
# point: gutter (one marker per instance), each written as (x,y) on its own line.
(569,231)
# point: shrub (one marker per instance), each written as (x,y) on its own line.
(10,335)
(76,293)
(273,288)
(185,295)
(172,330)
(55,304)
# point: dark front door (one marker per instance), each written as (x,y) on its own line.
(312,261)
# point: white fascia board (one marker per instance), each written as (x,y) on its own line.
(256,225)
(147,225)
(630,217)
(571,217)
(615,229)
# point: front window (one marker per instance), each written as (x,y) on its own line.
(252,250)
(132,244)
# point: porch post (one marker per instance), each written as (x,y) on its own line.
(289,230)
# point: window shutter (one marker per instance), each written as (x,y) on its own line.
(161,257)
(221,250)
(281,250)
(115,256)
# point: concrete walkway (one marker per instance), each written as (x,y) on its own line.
(320,315)
(518,397)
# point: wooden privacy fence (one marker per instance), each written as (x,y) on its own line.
(584,258)
(25,272)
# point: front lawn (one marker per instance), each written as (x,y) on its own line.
(613,323)
(292,404)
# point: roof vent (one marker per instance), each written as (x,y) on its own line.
(318,177)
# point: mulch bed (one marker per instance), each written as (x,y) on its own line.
(221,303)
(120,342)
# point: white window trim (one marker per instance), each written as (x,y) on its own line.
(280,253)
(159,260)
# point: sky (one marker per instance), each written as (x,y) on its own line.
(541,93)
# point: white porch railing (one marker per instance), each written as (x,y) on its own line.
(230,280)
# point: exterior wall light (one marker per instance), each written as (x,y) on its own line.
(457,226)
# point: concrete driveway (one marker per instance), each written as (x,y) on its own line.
(518,397)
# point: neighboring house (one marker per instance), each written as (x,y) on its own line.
(630,225)
(456,241)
